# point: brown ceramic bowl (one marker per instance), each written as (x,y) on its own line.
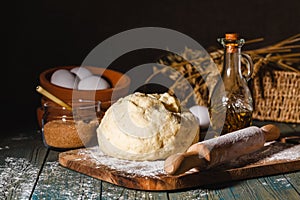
(119,88)
(119,85)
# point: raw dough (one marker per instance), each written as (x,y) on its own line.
(146,127)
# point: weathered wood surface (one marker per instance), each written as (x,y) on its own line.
(82,161)
(57,183)
(28,149)
(21,159)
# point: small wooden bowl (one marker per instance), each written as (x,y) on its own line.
(119,85)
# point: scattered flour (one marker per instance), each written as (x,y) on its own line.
(134,168)
(20,175)
(282,182)
(6,147)
(55,182)
(291,153)
(272,152)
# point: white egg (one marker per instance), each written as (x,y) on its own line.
(63,78)
(93,83)
(81,72)
(201,113)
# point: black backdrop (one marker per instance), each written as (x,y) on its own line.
(47,33)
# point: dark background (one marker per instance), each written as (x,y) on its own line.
(42,34)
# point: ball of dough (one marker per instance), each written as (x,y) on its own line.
(146,127)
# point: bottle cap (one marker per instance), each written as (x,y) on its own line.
(231,36)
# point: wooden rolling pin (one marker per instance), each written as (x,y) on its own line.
(210,153)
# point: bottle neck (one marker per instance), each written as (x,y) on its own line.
(232,61)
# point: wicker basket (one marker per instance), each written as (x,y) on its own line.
(278,100)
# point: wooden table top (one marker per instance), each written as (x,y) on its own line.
(28,170)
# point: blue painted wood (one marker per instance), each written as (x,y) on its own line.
(56,182)
(22,156)
(21,159)
(110,191)
(294,180)
(280,187)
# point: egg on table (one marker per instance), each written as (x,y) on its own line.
(63,78)
(202,115)
(93,83)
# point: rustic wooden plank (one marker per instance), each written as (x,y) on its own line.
(21,158)
(27,145)
(275,184)
(245,190)
(223,193)
(146,195)
(294,179)
(56,182)
(280,187)
(84,161)
(111,191)
(251,189)
(201,194)
(139,194)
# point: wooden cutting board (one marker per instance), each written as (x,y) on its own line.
(274,158)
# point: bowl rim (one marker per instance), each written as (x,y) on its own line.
(125,78)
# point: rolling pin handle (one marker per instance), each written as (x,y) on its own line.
(182,162)
(271,132)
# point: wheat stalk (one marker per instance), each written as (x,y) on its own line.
(280,54)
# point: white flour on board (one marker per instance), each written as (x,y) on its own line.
(290,153)
(141,168)
(272,152)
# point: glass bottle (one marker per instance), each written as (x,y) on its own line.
(231,101)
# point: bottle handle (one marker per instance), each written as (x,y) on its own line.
(249,66)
